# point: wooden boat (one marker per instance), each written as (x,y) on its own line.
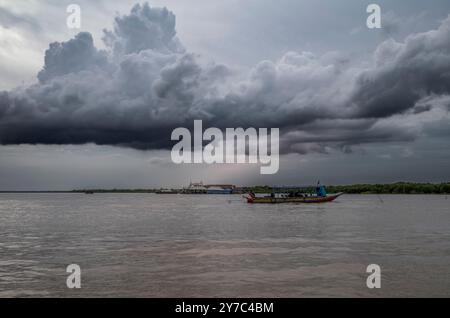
(251,198)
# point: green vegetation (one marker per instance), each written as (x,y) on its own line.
(116,191)
(394,188)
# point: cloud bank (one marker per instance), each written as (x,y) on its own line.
(145,84)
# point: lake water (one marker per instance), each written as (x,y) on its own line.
(149,245)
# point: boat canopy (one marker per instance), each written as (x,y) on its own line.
(320,191)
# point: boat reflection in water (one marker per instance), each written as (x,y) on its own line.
(320,196)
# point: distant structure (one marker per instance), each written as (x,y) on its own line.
(221,188)
(200,188)
(195,188)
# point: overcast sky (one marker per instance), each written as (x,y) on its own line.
(96,107)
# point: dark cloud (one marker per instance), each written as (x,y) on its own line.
(146,84)
(144,28)
(405,73)
(72,57)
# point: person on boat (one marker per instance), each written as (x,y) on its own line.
(320,190)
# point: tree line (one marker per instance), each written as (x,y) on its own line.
(392,188)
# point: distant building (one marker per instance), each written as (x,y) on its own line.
(195,188)
(219,190)
(222,186)
(200,188)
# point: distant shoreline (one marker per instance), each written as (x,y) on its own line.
(391,188)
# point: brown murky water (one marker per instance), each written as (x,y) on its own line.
(145,245)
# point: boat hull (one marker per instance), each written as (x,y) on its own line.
(270,200)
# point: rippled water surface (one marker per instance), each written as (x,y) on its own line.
(148,245)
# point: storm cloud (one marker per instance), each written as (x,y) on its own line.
(145,84)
